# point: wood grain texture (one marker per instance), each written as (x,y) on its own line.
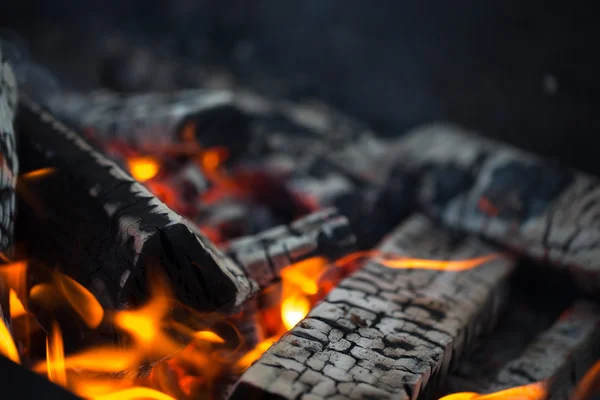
(521,201)
(109,229)
(562,354)
(387,333)
(323,233)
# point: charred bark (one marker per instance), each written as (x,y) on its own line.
(383,332)
(560,356)
(239,119)
(9,167)
(108,229)
(536,207)
(262,257)
(8,153)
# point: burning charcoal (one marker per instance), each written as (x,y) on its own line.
(107,230)
(323,233)
(559,356)
(389,331)
(507,195)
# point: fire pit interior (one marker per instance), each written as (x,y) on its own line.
(186,232)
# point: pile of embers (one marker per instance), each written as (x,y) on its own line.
(219,244)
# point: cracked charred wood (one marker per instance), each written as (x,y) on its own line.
(239,119)
(387,333)
(561,356)
(107,230)
(323,233)
(8,171)
(8,153)
(519,200)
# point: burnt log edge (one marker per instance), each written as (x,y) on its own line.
(561,355)
(533,206)
(387,333)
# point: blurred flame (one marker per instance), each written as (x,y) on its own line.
(65,289)
(55,357)
(254,354)
(533,391)
(135,393)
(16,307)
(7,344)
(589,385)
(143,168)
(15,276)
(80,299)
(38,173)
(209,336)
(104,359)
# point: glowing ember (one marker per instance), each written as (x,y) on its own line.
(143,168)
(534,391)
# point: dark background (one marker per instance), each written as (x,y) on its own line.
(523,71)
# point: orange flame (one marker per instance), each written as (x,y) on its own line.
(589,384)
(7,344)
(533,391)
(143,168)
(38,173)
(55,357)
(65,289)
(80,299)
(16,307)
(401,262)
(135,393)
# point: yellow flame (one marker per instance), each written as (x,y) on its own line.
(7,344)
(143,168)
(402,262)
(104,359)
(441,265)
(253,355)
(533,391)
(135,393)
(55,357)
(209,336)
(293,309)
(16,307)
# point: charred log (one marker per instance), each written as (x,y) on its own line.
(8,153)
(560,356)
(241,120)
(262,257)
(8,170)
(108,229)
(383,332)
(533,206)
